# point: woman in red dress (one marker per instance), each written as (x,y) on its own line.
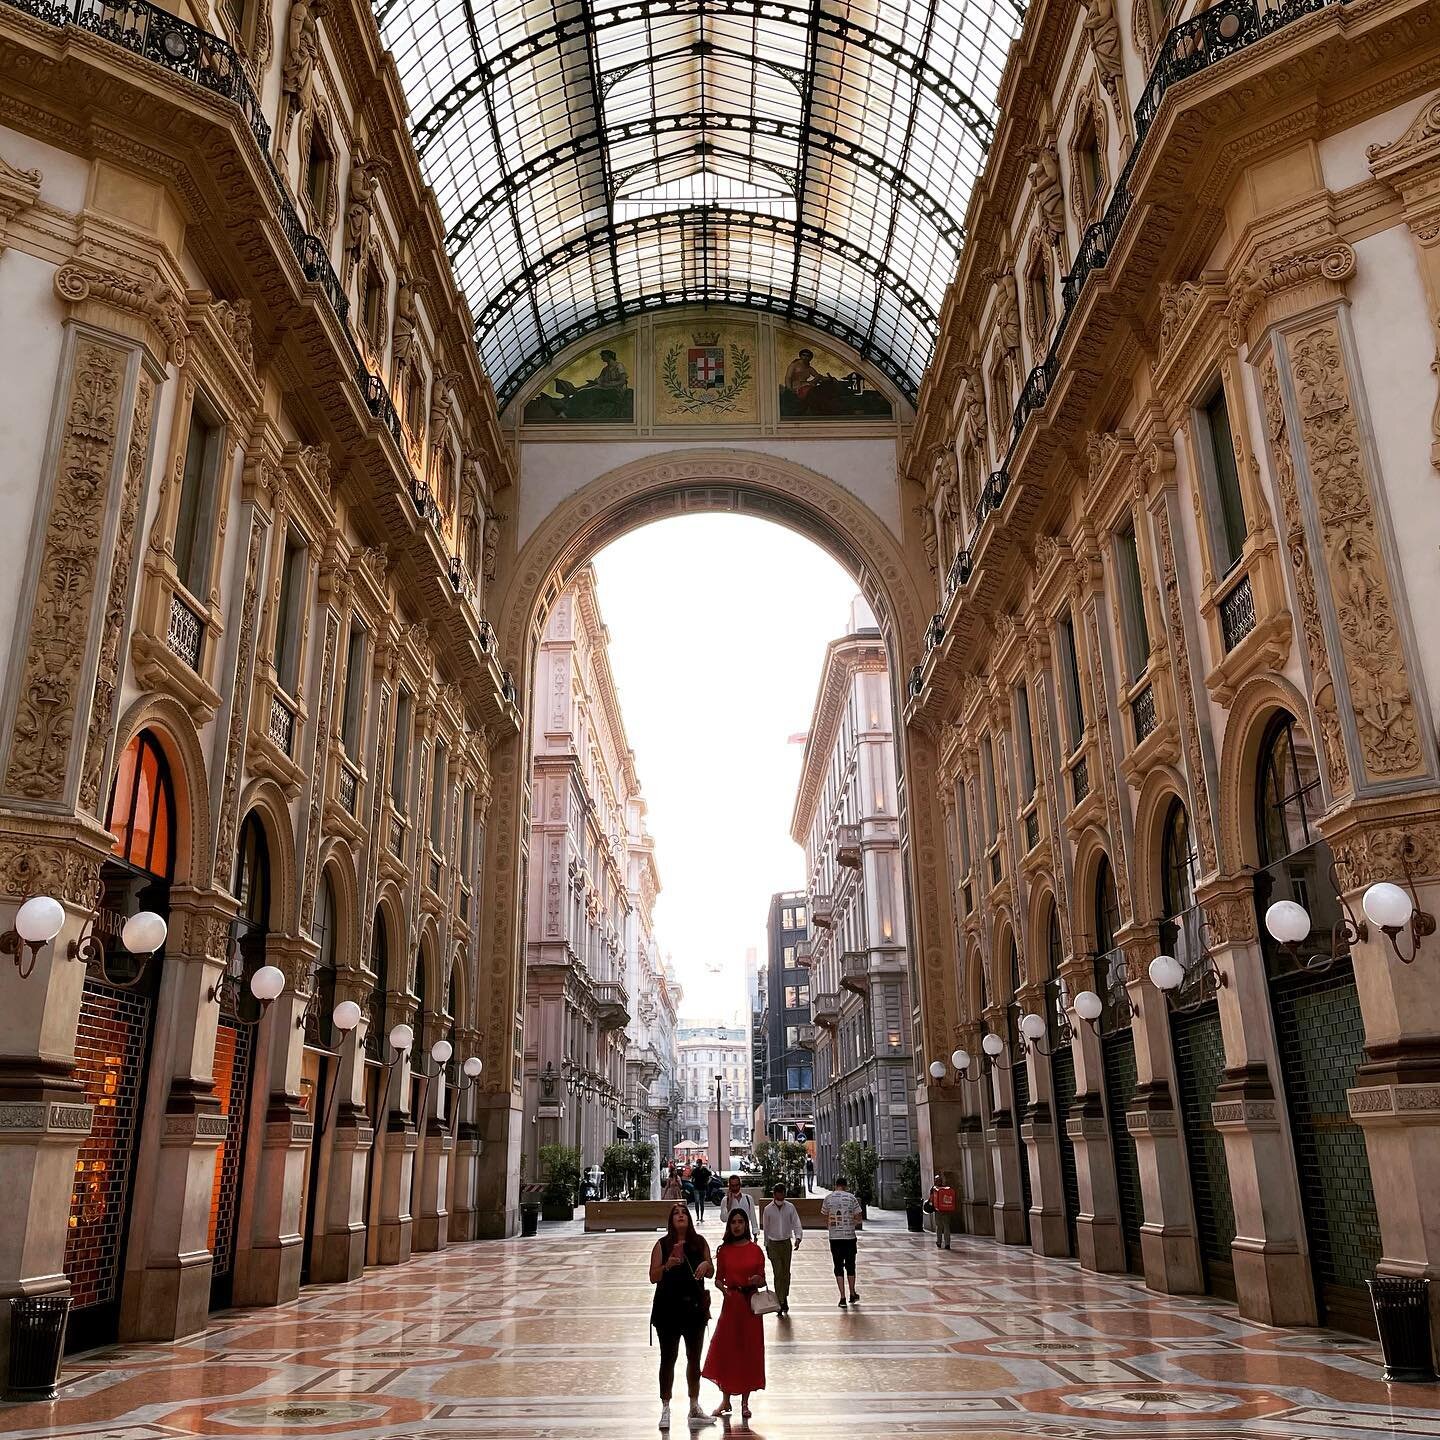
(736,1362)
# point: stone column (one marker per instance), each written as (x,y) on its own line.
(1169,1246)
(497,1195)
(975,1178)
(939,1116)
(1002,1140)
(1098,1234)
(57,714)
(168,1293)
(1048,1232)
(338,1253)
(431,1217)
(267,1266)
(464,1162)
(1273,1279)
(397,1139)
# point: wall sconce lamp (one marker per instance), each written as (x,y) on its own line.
(40,918)
(345,1017)
(469,1079)
(960,1059)
(547,1080)
(1386,905)
(267,984)
(1089,1007)
(1033,1032)
(1205,978)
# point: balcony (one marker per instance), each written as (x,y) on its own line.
(646,1060)
(825,1008)
(612,1005)
(807,1036)
(822,911)
(847,846)
(805,954)
(855,971)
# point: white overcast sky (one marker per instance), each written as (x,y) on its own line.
(718,626)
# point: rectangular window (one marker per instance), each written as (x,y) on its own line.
(400,757)
(1073,695)
(799,1077)
(789,956)
(437,797)
(992,809)
(804,994)
(354,690)
(962,824)
(195,523)
(1027,745)
(287,620)
(1132,603)
(467,831)
(792,1036)
(787,919)
(1227,521)
(799,917)
(792,997)
(317,173)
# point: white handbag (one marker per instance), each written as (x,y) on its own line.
(763,1302)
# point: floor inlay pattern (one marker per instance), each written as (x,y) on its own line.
(547,1337)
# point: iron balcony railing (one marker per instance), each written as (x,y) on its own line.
(1190,47)
(1237,613)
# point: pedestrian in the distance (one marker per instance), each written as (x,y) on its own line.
(842,1212)
(700,1178)
(673,1189)
(679,1266)
(809,1173)
(783,1235)
(735,1198)
(942,1201)
(736,1361)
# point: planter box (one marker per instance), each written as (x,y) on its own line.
(809,1208)
(627,1214)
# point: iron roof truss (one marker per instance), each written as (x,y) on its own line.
(812,158)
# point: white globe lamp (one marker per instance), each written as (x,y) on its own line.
(1166,973)
(473,1066)
(1387,906)
(992,1045)
(267,983)
(1287,922)
(441,1051)
(937,1069)
(345,1016)
(38,920)
(402,1037)
(144,933)
(1088,1005)
(960,1059)
(1032,1026)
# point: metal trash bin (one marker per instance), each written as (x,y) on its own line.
(1402,1316)
(529,1219)
(37,1342)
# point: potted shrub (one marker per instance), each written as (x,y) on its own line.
(616,1164)
(642,1170)
(561,1167)
(792,1167)
(858,1163)
(909,1177)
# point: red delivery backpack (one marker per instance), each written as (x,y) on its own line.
(944,1199)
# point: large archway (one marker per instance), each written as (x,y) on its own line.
(669,484)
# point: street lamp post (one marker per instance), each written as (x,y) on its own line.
(716,1157)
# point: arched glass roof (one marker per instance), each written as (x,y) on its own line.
(594,160)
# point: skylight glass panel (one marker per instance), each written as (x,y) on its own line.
(678,148)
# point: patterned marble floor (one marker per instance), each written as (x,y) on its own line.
(547,1337)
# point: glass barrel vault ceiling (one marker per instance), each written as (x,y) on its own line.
(595,160)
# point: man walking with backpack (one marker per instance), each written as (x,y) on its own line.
(942,1203)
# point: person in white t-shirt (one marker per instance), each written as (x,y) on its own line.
(842,1211)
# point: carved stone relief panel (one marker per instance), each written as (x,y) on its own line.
(48,706)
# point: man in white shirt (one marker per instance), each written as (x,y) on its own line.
(735,1199)
(842,1212)
(782,1227)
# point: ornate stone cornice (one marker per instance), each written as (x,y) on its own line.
(150,299)
(1256,283)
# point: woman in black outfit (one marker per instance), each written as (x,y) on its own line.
(679,1266)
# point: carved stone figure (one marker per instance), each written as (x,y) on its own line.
(402,339)
(1007,309)
(302,49)
(1049,195)
(928,537)
(1104,32)
(360,206)
(491,562)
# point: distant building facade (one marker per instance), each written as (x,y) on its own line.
(847,818)
(789,1093)
(593,882)
(708,1050)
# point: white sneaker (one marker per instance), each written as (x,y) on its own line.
(697,1416)
(665,1417)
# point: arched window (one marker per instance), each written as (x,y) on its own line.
(1053,953)
(141,814)
(375,1008)
(1177,863)
(1287,793)
(252,873)
(1107,909)
(1014,967)
(319,1027)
